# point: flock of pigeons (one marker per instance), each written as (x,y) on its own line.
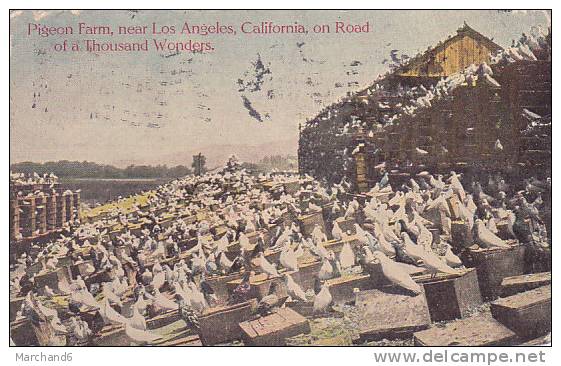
(141,261)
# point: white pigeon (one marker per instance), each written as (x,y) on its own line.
(433,263)
(386,247)
(137,321)
(293,289)
(140,336)
(492,225)
(198,301)
(84,297)
(322,300)
(396,274)
(109,314)
(110,295)
(452,259)
(288,259)
(326,270)
(224,262)
(411,249)
(159,280)
(48,291)
(267,267)
(486,238)
(425,237)
(318,236)
(163,302)
(361,235)
(244,242)
(347,256)
(336,231)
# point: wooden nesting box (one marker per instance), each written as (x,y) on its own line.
(27,217)
(60,210)
(14,219)
(307,272)
(454,207)
(309,222)
(221,324)
(347,225)
(69,205)
(342,289)
(515,284)
(80,268)
(451,296)
(260,285)
(76,202)
(495,264)
(526,313)
(220,285)
(389,313)
(462,236)
(22,333)
(111,336)
(162,320)
(15,306)
(41,212)
(52,278)
(51,212)
(337,245)
(477,331)
(273,329)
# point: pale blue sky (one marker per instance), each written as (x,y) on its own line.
(130,91)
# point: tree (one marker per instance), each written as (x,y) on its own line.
(198,164)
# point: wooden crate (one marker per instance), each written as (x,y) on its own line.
(260,285)
(495,264)
(347,225)
(221,324)
(477,331)
(111,336)
(462,236)
(306,274)
(52,278)
(515,284)
(22,333)
(220,285)
(342,289)
(528,313)
(389,313)
(15,306)
(451,296)
(273,329)
(454,206)
(337,245)
(162,320)
(308,222)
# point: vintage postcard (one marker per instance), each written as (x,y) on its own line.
(280,178)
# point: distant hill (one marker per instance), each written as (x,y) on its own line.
(86,169)
(218,154)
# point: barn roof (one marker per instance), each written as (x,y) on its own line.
(464,30)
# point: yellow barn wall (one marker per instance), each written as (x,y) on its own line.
(455,56)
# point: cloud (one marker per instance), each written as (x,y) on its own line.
(15,13)
(39,14)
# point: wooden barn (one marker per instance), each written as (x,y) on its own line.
(476,125)
(456,53)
